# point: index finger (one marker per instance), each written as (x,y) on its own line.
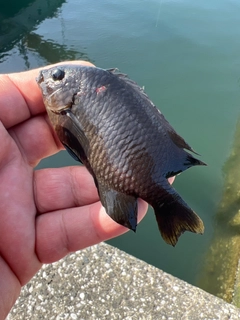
(20,96)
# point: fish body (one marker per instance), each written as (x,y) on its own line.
(107,122)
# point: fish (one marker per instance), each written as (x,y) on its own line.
(107,122)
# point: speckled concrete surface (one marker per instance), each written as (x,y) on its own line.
(102,282)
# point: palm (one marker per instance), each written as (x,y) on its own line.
(29,236)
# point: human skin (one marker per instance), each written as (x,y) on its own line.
(44,214)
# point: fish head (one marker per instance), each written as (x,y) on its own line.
(59,86)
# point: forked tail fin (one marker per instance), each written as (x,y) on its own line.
(174,217)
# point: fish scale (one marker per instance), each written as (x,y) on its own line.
(106,121)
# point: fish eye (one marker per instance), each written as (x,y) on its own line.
(58,74)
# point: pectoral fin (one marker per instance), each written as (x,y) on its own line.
(77,131)
(72,153)
(73,137)
(120,207)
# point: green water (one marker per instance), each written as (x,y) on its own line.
(185,53)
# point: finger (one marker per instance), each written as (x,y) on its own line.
(13,105)
(17,211)
(35,139)
(171,179)
(61,188)
(20,96)
(65,231)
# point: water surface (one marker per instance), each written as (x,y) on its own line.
(185,53)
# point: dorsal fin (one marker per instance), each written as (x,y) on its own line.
(178,140)
(129,81)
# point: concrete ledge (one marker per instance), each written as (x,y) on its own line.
(103,282)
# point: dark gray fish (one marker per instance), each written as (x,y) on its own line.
(107,122)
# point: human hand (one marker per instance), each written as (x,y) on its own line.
(44,214)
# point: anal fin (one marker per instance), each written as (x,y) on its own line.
(120,207)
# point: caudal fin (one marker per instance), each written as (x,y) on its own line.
(174,217)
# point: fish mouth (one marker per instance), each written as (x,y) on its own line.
(40,78)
